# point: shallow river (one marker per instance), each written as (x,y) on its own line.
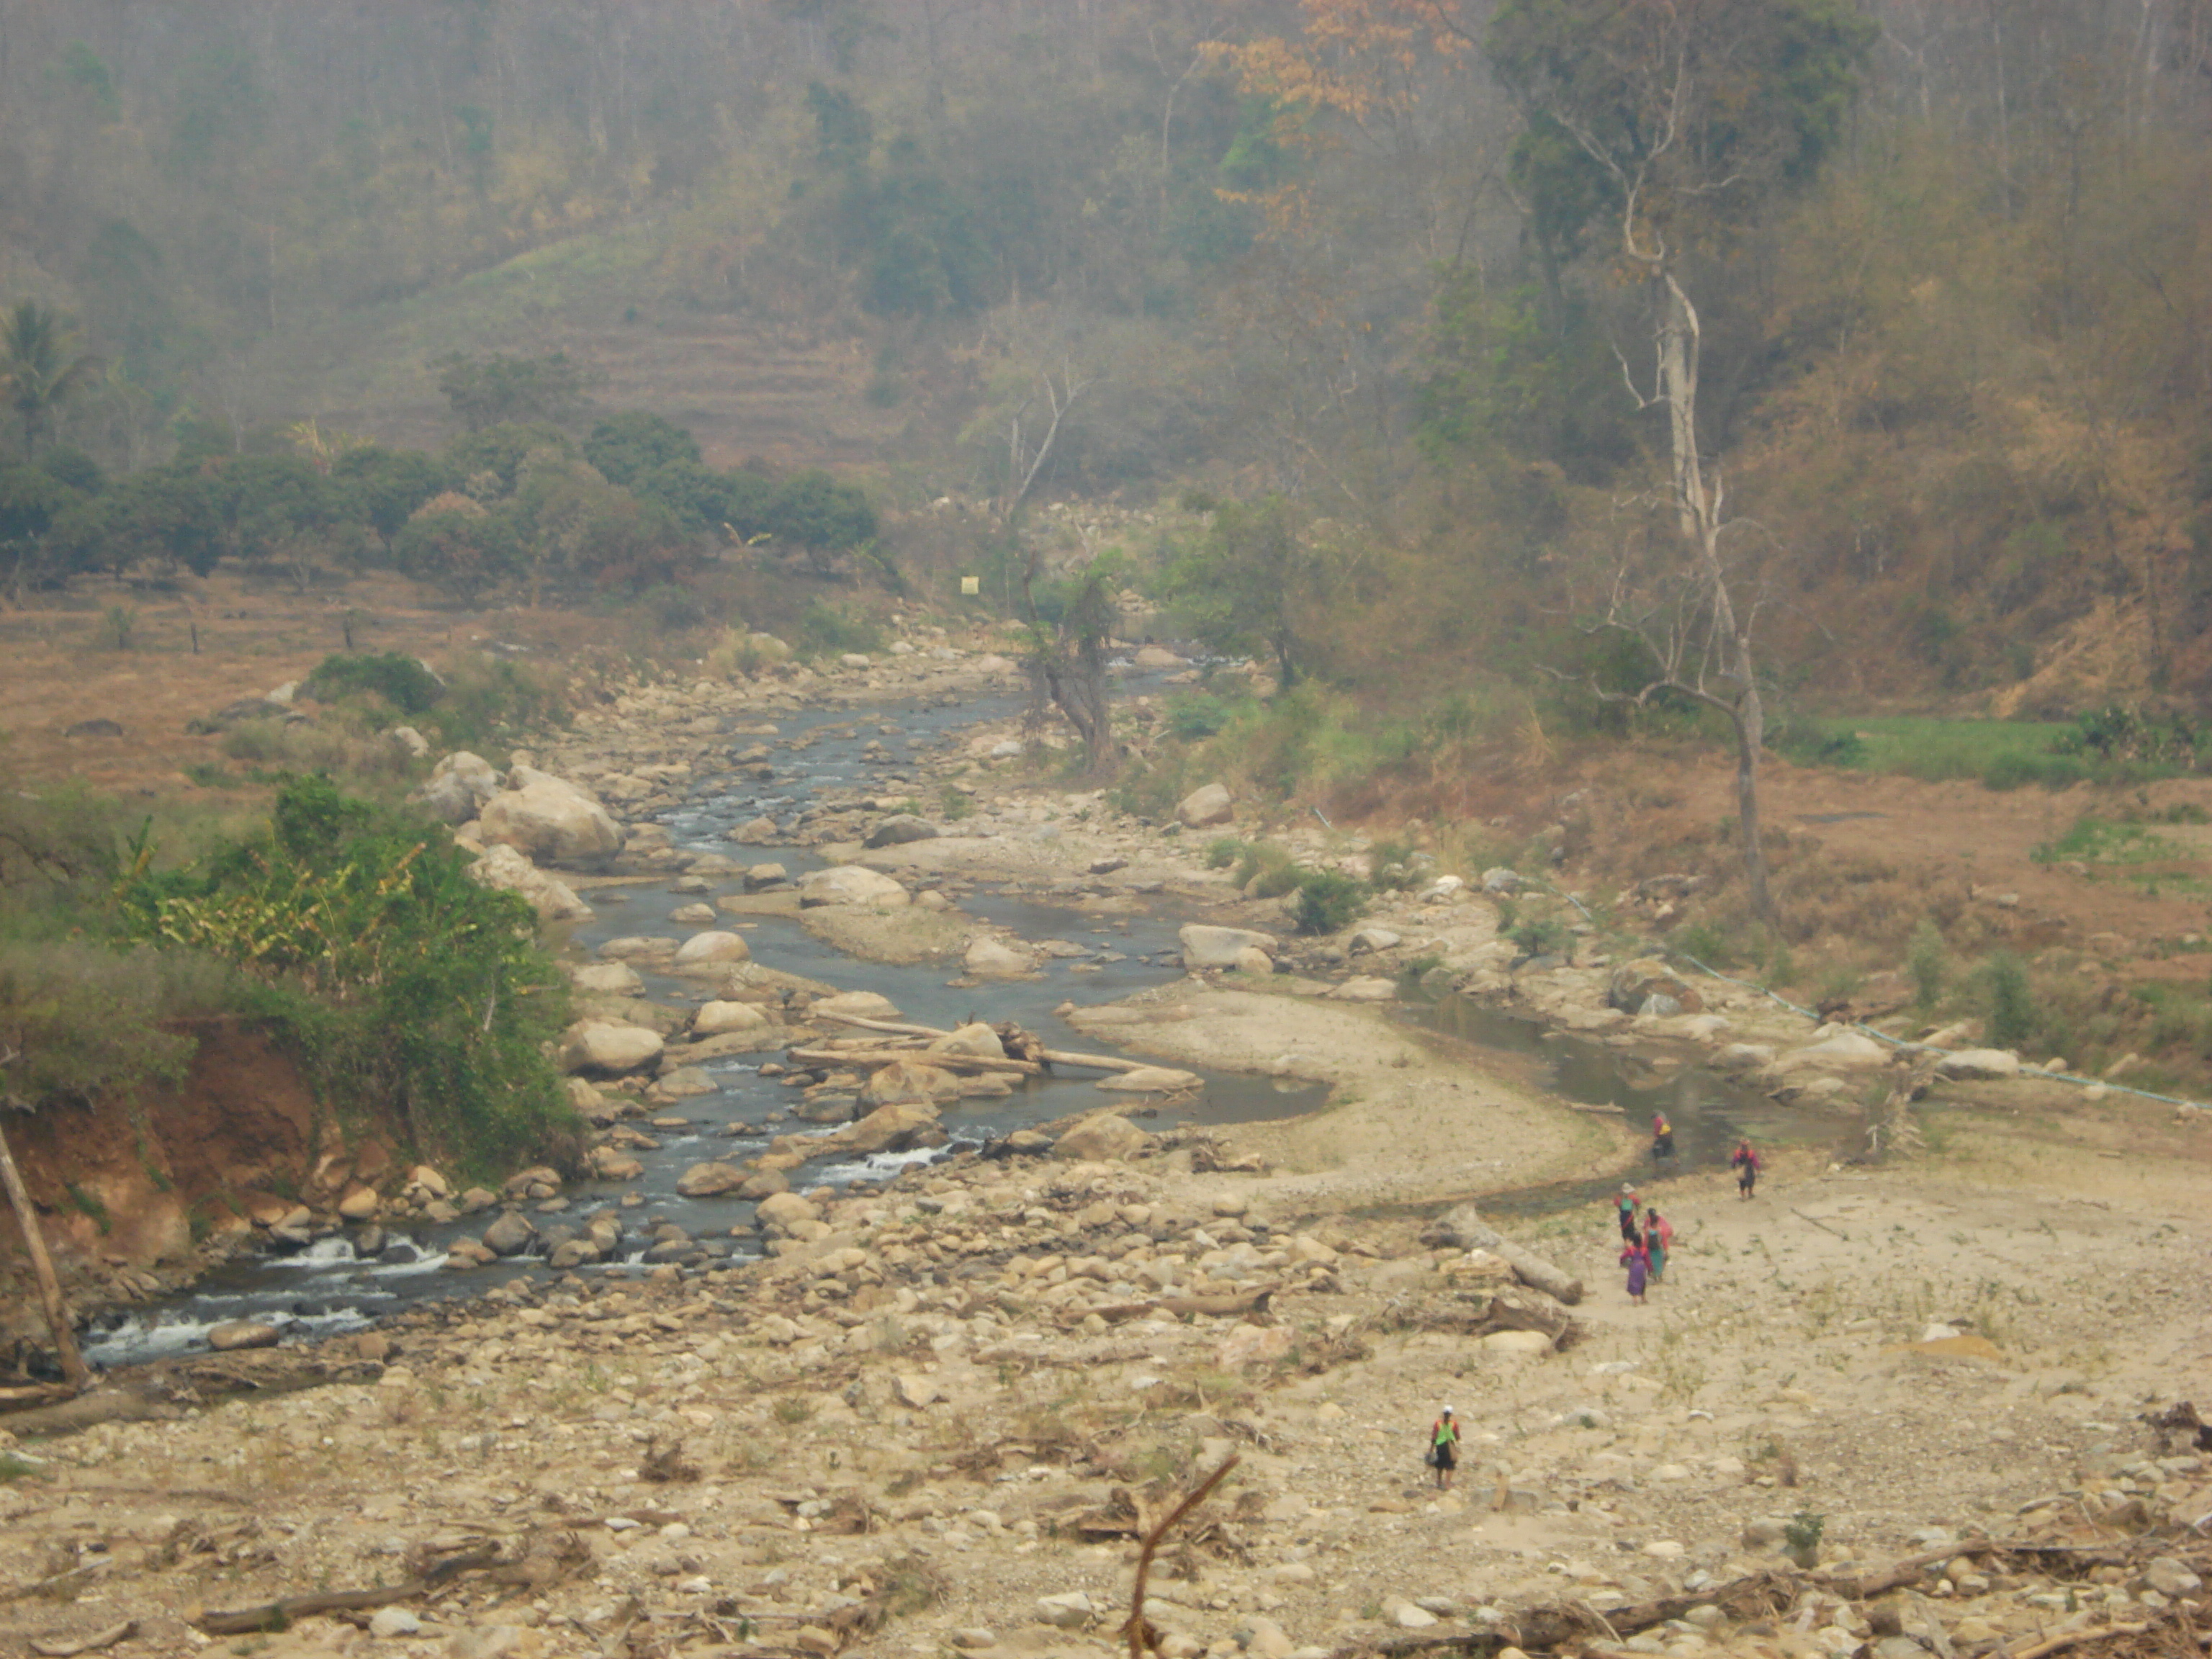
(327,1288)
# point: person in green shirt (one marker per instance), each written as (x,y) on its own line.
(1444,1448)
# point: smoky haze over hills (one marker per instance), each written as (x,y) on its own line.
(1949,261)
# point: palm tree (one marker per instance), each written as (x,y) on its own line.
(38,370)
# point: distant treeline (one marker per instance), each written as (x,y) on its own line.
(632,506)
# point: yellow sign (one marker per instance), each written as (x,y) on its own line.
(971,586)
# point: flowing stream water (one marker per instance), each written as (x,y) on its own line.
(329,1287)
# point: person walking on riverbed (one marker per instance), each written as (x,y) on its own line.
(1663,1137)
(1745,1162)
(1658,1238)
(1444,1448)
(1637,1259)
(1627,1204)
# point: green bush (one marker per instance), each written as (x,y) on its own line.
(823,630)
(2014,770)
(1927,964)
(1265,871)
(1193,715)
(400,984)
(2011,1001)
(1393,865)
(1327,901)
(489,698)
(400,680)
(1223,851)
(85,1019)
(1541,936)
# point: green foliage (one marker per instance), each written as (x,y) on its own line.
(1327,901)
(399,982)
(1541,936)
(494,389)
(118,627)
(955,805)
(388,485)
(489,700)
(2094,840)
(626,447)
(1244,587)
(40,368)
(1264,870)
(2010,1002)
(87,1019)
(825,630)
(1195,715)
(813,510)
(1224,851)
(1927,965)
(401,681)
(2122,732)
(465,553)
(495,454)
(1395,865)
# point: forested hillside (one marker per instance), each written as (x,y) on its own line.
(1394,273)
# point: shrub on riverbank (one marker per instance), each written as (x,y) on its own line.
(406,989)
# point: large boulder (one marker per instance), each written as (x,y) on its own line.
(906,1080)
(510,1235)
(710,952)
(849,884)
(1101,1140)
(857,1005)
(978,1039)
(504,867)
(1840,1051)
(709,1180)
(550,818)
(719,1019)
(900,828)
(607,979)
(1965,1065)
(893,1128)
(781,1212)
(991,959)
(1635,984)
(603,1047)
(1203,807)
(458,788)
(1207,946)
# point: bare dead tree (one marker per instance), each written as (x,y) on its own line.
(1711,658)
(1700,646)
(1066,662)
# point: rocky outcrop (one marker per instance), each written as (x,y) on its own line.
(1204,807)
(552,820)
(458,788)
(1206,946)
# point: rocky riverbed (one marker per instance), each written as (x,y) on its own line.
(928,1410)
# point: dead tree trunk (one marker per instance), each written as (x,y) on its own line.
(42,1269)
(1698,511)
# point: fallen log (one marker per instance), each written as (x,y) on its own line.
(93,1644)
(1466,1228)
(896,1028)
(15,1398)
(282,1613)
(1093,1062)
(943,1060)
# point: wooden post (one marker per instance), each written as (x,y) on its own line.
(42,1266)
